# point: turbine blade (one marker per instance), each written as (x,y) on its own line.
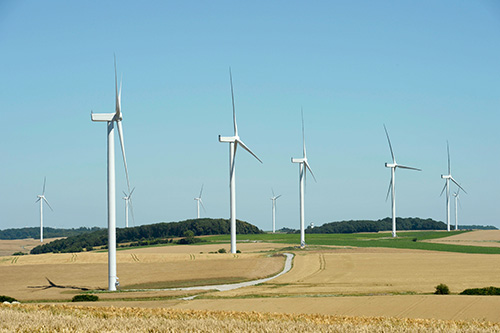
(390,146)
(278,196)
(201,191)
(232,99)
(449,164)
(131,207)
(246,148)
(125,194)
(407,167)
(44,180)
(310,170)
(131,192)
(37,200)
(388,190)
(272,190)
(456,183)
(202,206)
(47,203)
(303,135)
(117,95)
(444,187)
(120,133)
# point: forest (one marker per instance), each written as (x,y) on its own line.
(163,230)
(34,232)
(347,227)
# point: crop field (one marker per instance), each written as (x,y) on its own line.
(489,238)
(137,269)
(7,247)
(58,318)
(379,287)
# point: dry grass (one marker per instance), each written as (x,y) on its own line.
(65,318)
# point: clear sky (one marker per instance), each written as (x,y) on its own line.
(429,70)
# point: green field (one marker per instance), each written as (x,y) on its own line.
(405,240)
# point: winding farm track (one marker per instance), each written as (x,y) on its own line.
(232,286)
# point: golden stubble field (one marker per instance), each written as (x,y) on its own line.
(156,267)
(328,281)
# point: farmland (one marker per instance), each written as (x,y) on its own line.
(331,277)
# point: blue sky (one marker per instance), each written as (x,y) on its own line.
(429,70)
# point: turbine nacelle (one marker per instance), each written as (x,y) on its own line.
(229,138)
(446,177)
(391,165)
(299,160)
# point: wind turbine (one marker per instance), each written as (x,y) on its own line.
(457,201)
(303,164)
(110,119)
(392,187)
(199,202)
(447,187)
(41,199)
(128,201)
(233,141)
(274,198)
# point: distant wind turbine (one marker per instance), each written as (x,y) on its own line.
(303,164)
(233,141)
(110,119)
(392,187)
(457,201)
(274,198)
(199,202)
(128,204)
(447,187)
(41,199)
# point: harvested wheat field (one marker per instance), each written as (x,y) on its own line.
(51,318)
(137,269)
(474,238)
(10,246)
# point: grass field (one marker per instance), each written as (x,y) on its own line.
(405,240)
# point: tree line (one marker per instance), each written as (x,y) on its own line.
(162,230)
(34,232)
(347,227)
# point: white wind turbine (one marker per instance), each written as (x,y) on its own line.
(128,203)
(392,187)
(447,187)
(457,201)
(199,202)
(274,198)
(110,119)
(303,164)
(41,199)
(233,141)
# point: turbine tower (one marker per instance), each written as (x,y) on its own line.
(199,202)
(41,198)
(303,164)
(392,187)
(128,202)
(233,141)
(448,177)
(274,198)
(110,119)
(457,201)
